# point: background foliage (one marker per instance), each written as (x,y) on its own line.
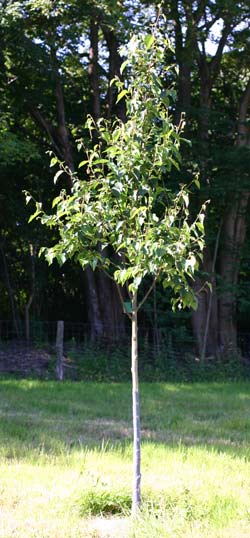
(56,64)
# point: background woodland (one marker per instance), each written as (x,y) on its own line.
(56,63)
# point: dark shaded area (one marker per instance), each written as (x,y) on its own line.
(163,355)
(47,418)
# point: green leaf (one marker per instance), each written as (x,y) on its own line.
(100,161)
(57,175)
(50,255)
(82,163)
(28,197)
(56,201)
(53,161)
(149,40)
(124,64)
(121,95)
(61,258)
(185,199)
(197,182)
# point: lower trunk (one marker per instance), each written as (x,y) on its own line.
(105,314)
(136,497)
(94,314)
(27,317)
(205,318)
(10,293)
(110,307)
(234,232)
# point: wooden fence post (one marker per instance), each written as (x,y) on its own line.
(59,350)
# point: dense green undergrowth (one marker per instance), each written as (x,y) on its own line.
(167,365)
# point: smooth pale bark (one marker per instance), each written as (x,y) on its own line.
(136,494)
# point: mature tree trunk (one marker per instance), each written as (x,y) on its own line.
(205,319)
(10,292)
(234,233)
(184,47)
(211,314)
(115,62)
(110,320)
(205,303)
(93,70)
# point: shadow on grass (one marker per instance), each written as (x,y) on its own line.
(45,417)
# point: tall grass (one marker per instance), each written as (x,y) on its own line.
(66,450)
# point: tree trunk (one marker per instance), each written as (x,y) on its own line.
(208,71)
(93,70)
(205,303)
(109,320)
(210,299)
(136,497)
(94,314)
(115,62)
(10,292)
(32,293)
(110,307)
(234,233)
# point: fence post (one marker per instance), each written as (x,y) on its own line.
(59,350)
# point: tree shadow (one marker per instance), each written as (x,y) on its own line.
(53,418)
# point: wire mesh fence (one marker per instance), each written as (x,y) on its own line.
(164,354)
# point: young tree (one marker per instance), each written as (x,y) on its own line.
(123,219)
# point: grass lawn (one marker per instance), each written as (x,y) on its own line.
(66,451)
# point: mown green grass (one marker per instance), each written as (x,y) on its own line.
(66,451)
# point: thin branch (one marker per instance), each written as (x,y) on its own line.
(129,292)
(203,352)
(148,292)
(40,120)
(119,292)
(122,302)
(216,60)
(199,12)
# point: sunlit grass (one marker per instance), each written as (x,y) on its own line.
(66,451)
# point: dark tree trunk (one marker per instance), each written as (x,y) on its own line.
(10,292)
(110,320)
(205,321)
(93,70)
(200,316)
(234,233)
(115,62)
